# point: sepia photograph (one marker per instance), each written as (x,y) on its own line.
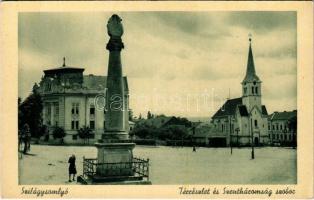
(157,100)
(127,98)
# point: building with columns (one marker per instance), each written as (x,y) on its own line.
(72,100)
(242,120)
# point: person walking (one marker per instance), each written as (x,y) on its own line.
(72,167)
(26,135)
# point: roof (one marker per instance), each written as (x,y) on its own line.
(93,82)
(157,122)
(286,115)
(243,111)
(63,69)
(250,69)
(264,110)
(229,108)
(203,129)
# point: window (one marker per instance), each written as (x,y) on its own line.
(56,113)
(92,110)
(92,124)
(92,136)
(277,127)
(268,127)
(74,137)
(75,116)
(104,124)
(273,127)
(245,89)
(76,125)
(222,128)
(56,105)
(273,136)
(280,127)
(49,111)
(75,108)
(256,90)
(255,123)
(252,90)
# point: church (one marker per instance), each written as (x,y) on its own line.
(241,121)
(72,100)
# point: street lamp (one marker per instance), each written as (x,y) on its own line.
(237,130)
(252,152)
(231,121)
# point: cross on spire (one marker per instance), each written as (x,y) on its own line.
(63,62)
(250,69)
(250,37)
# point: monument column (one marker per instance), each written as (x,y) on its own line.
(115,96)
(114,158)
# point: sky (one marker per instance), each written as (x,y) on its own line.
(177,63)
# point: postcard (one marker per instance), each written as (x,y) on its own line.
(157,99)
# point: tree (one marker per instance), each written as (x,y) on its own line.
(59,132)
(30,112)
(85,133)
(149,115)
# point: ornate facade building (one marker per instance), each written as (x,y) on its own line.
(282,127)
(242,120)
(72,100)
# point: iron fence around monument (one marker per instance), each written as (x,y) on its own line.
(139,166)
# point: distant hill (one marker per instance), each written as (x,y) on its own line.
(201,119)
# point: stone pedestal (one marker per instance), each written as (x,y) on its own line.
(118,158)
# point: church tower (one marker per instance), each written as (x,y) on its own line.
(251,85)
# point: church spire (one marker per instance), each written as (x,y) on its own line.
(250,69)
